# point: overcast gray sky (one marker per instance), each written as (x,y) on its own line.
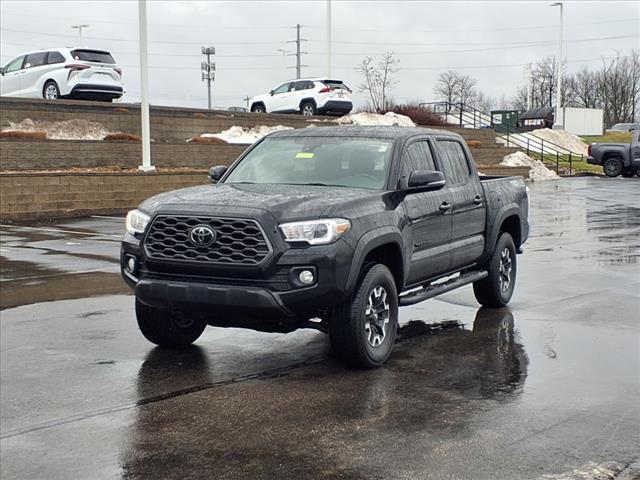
(487,40)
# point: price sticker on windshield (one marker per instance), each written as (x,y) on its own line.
(304,155)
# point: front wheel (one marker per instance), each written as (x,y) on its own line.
(363,330)
(612,167)
(497,288)
(630,172)
(258,109)
(166,328)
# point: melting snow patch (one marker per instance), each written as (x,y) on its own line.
(559,138)
(589,471)
(67,130)
(238,134)
(366,118)
(538,172)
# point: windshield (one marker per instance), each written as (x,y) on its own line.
(337,161)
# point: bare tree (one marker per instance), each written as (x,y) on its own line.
(454,87)
(482,102)
(378,79)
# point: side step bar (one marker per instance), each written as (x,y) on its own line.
(430,291)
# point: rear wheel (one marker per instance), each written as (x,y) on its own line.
(630,172)
(363,330)
(612,167)
(497,288)
(308,109)
(51,90)
(166,328)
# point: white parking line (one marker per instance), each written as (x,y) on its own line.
(59,230)
(105,216)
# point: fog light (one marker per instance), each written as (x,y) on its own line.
(306,277)
(131,265)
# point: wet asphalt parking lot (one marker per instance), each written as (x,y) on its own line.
(548,388)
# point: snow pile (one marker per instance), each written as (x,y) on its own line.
(238,134)
(366,118)
(538,170)
(560,138)
(563,139)
(67,130)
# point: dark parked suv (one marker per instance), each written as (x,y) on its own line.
(330,228)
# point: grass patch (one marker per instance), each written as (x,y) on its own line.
(610,137)
(121,137)
(208,140)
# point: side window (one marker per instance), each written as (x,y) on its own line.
(55,57)
(36,60)
(14,65)
(281,89)
(454,162)
(297,86)
(417,156)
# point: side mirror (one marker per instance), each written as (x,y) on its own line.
(216,173)
(426,180)
(271,93)
(1,71)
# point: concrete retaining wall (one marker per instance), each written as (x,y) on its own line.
(53,195)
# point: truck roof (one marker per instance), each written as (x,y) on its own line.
(375,131)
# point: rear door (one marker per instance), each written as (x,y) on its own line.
(35,67)
(10,83)
(301,89)
(635,149)
(429,217)
(468,208)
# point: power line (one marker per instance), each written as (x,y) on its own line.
(499,29)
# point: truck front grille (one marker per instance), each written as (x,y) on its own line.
(237,240)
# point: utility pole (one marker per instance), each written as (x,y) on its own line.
(328,38)
(298,53)
(247,99)
(208,71)
(529,73)
(556,120)
(144,88)
(80,27)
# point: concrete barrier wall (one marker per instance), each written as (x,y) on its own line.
(46,196)
(16,154)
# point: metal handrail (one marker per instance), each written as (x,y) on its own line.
(471,117)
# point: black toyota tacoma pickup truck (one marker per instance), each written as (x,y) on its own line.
(329,228)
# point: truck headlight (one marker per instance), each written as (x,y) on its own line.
(315,232)
(136,222)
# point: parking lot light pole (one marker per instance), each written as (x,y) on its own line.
(144,88)
(556,120)
(80,27)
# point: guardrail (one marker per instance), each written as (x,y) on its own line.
(469,117)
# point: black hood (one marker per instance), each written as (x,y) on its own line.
(284,202)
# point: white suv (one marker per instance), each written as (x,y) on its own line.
(306,96)
(63,73)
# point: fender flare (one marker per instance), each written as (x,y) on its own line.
(258,103)
(307,99)
(506,211)
(367,243)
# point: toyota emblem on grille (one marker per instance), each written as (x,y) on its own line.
(202,236)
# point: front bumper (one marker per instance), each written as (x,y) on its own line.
(267,299)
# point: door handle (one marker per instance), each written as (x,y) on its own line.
(477,200)
(444,207)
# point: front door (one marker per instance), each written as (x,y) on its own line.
(429,216)
(279,98)
(10,84)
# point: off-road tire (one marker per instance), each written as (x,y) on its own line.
(165,328)
(350,339)
(490,291)
(307,109)
(630,172)
(258,109)
(50,91)
(612,167)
